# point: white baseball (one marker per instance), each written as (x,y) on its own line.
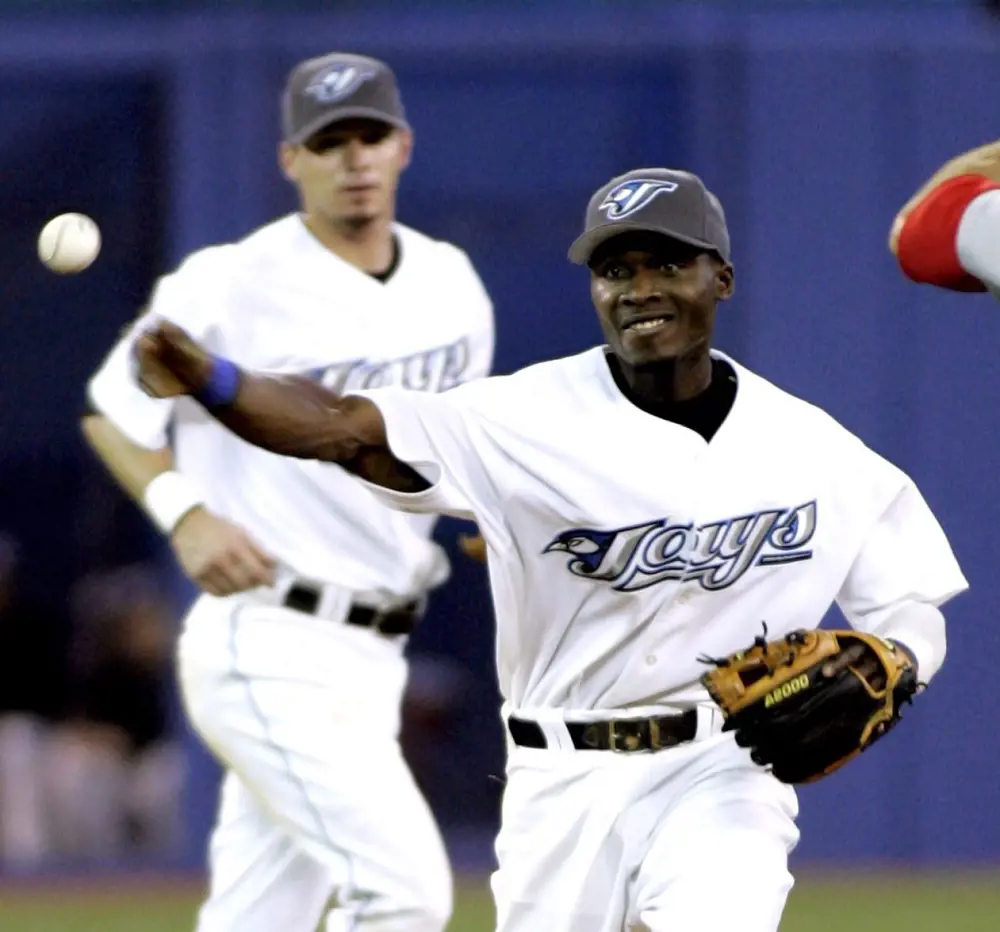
(69,243)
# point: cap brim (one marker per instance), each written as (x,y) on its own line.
(583,247)
(348,113)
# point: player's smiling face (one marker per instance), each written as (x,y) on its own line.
(347,173)
(656,296)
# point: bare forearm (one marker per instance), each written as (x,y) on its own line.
(287,415)
(293,416)
(148,476)
(132,466)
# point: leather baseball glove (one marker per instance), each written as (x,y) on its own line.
(807,703)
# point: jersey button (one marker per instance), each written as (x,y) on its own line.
(650,659)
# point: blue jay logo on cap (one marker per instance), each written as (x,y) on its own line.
(338,83)
(626,198)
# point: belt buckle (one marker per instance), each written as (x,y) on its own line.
(629,742)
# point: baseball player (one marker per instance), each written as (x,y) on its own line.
(645,505)
(948,233)
(291,660)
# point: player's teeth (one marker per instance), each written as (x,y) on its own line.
(647,324)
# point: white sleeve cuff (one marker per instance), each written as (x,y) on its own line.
(920,628)
(114,393)
(406,415)
(978,240)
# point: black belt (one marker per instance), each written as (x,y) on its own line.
(306,599)
(616,734)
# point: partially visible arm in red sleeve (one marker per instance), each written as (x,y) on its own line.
(927,246)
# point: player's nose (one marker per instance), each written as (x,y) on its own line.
(356,153)
(644,289)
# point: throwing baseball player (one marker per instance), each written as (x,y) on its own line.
(291,661)
(948,233)
(665,531)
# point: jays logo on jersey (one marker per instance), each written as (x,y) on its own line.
(434,370)
(716,554)
(338,83)
(625,199)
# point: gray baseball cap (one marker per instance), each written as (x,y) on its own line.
(654,200)
(336,87)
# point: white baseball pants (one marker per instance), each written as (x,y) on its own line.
(691,838)
(319,813)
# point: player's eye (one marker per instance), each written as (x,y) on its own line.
(368,136)
(320,145)
(617,272)
(375,135)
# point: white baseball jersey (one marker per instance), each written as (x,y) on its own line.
(624,547)
(279,301)
(978,240)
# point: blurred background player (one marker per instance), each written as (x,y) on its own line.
(948,233)
(291,660)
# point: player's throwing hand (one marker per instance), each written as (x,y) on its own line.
(169,362)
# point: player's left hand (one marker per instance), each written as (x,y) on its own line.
(473,546)
(807,703)
(169,362)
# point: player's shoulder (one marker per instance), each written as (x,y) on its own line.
(426,250)
(205,264)
(539,386)
(197,288)
(221,260)
(575,369)
(782,407)
(420,244)
(814,429)
(268,243)
(272,243)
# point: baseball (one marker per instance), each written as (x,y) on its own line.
(69,243)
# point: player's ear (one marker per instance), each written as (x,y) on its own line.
(725,282)
(286,160)
(405,137)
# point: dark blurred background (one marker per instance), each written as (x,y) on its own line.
(813,122)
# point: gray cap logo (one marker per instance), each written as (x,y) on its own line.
(625,199)
(338,83)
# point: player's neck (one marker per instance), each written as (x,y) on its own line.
(368,248)
(654,385)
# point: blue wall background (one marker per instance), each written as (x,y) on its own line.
(813,125)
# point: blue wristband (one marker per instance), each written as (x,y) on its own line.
(221,386)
